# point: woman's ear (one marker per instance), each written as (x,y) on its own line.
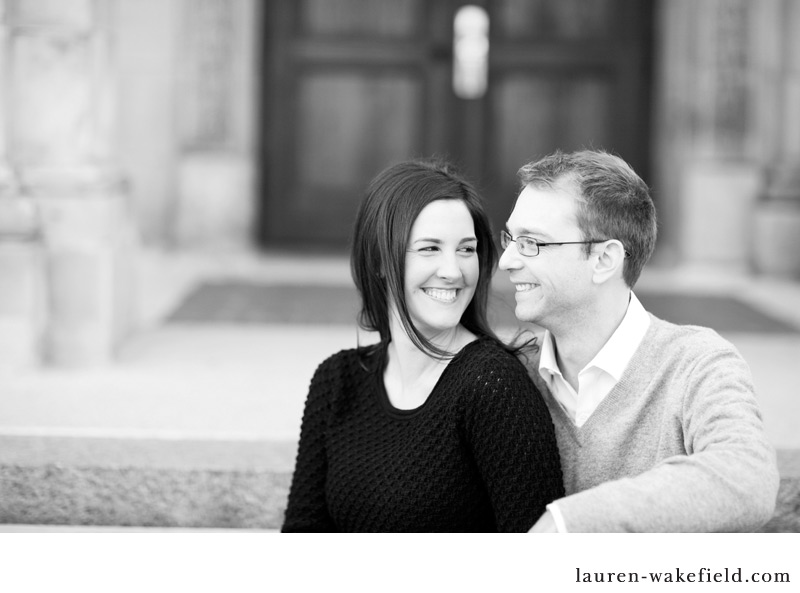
(609,262)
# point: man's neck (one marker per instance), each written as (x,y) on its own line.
(579,340)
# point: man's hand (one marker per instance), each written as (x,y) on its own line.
(545,524)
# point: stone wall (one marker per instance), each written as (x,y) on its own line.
(725,124)
(120,121)
(66,237)
(188,76)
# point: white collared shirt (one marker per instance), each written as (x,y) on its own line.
(602,373)
(597,378)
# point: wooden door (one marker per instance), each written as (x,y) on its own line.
(352,86)
(564,74)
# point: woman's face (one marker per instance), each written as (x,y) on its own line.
(441,267)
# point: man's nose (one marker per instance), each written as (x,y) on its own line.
(509,259)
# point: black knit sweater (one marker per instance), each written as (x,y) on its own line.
(479,455)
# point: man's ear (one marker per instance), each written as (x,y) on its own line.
(609,261)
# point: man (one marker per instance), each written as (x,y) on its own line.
(657,424)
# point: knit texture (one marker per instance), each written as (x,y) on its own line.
(677,445)
(479,455)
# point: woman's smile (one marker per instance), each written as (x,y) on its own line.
(444,295)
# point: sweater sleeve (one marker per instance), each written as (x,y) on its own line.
(727,480)
(513,442)
(307,509)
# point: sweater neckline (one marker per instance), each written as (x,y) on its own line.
(401,413)
(621,389)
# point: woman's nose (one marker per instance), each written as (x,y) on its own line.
(449,268)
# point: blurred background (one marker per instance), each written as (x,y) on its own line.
(178,179)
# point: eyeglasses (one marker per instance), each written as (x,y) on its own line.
(529,247)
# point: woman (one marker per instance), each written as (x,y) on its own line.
(438,427)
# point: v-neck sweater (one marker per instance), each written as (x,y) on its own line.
(677,445)
(479,455)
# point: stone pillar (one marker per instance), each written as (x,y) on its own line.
(8,182)
(6,176)
(777,222)
(60,140)
(217,123)
(708,176)
(21,259)
(722,180)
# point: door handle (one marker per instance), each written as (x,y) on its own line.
(470,52)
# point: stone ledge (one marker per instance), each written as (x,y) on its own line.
(164,453)
(146,497)
(786,518)
(190,484)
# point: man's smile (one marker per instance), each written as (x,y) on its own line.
(525,287)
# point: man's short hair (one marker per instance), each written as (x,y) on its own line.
(614,202)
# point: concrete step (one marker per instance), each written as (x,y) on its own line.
(181,484)
(786,518)
(144,482)
(787,510)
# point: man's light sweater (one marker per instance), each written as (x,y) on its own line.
(677,445)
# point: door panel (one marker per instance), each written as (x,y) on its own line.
(380,19)
(564,74)
(553,19)
(352,86)
(531,115)
(350,125)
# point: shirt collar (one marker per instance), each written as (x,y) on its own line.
(617,352)
(547,359)
(615,355)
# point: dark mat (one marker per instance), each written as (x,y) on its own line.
(720,313)
(247,302)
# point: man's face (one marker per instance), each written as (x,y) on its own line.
(555,287)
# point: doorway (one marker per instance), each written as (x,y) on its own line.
(351,86)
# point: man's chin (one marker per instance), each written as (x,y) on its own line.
(525,315)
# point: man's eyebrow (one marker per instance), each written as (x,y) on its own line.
(526,232)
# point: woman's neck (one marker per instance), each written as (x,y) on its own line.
(411,373)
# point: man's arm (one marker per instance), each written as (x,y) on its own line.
(727,481)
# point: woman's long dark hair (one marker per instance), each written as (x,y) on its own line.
(391,204)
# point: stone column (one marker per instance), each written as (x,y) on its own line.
(777,222)
(60,140)
(722,180)
(708,173)
(217,123)
(8,182)
(5,170)
(21,258)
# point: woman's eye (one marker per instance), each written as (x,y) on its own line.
(469,249)
(429,248)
